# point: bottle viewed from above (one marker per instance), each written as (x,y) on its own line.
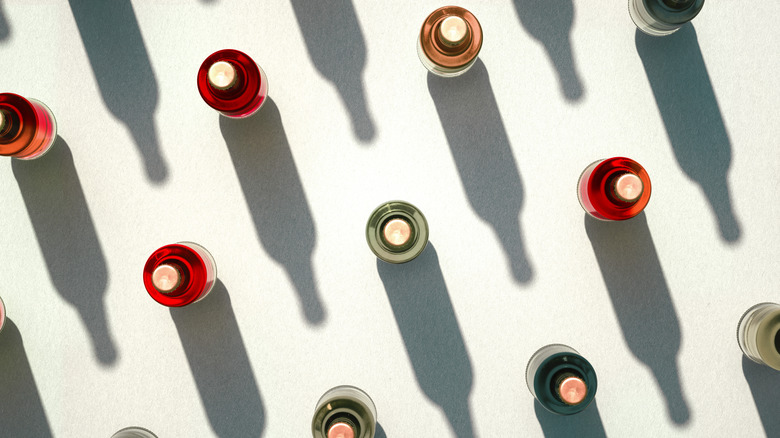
(344,412)
(180,274)
(397,232)
(662,17)
(758,334)
(449,42)
(614,189)
(232,83)
(27,127)
(561,380)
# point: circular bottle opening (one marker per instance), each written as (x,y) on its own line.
(222,75)
(397,232)
(341,430)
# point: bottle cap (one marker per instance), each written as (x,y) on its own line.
(397,232)
(166,278)
(222,75)
(341,430)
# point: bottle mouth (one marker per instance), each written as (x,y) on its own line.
(397,232)
(166,278)
(628,187)
(453,31)
(222,75)
(341,430)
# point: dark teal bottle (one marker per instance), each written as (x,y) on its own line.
(561,380)
(662,17)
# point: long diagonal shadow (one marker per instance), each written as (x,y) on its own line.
(273,191)
(764,383)
(685,98)
(642,302)
(423,311)
(336,47)
(550,22)
(66,235)
(5,29)
(220,365)
(479,144)
(20,402)
(120,62)
(586,424)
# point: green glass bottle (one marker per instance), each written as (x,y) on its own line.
(397,232)
(344,411)
(758,334)
(662,17)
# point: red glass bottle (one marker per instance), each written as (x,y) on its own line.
(180,274)
(27,127)
(232,83)
(614,189)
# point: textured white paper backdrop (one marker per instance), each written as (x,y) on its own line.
(281,201)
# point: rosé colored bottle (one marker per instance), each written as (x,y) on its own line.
(180,274)
(344,412)
(27,127)
(758,334)
(449,42)
(232,83)
(662,17)
(2,314)
(560,379)
(134,432)
(614,189)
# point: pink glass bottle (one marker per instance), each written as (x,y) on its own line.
(180,274)
(27,127)
(614,189)
(232,83)
(2,314)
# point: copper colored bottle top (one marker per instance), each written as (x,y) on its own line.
(572,390)
(341,430)
(628,187)
(451,47)
(397,232)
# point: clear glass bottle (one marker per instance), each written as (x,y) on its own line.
(134,432)
(344,412)
(27,127)
(180,274)
(758,334)
(232,83)
(662,17)
(449,42)
(561,380)
(397,232)
(614,189)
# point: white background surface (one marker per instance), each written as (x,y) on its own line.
(281,201)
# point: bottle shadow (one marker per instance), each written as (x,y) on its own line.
(685,98)
(5,29)
(338,50)
(642,302)
(124,75)
(479,144)
(380,432)
(550,23)
(273,191)
(426,319)
(220,365)
(586,424)
(66,235)
(764,384)
(20,402)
